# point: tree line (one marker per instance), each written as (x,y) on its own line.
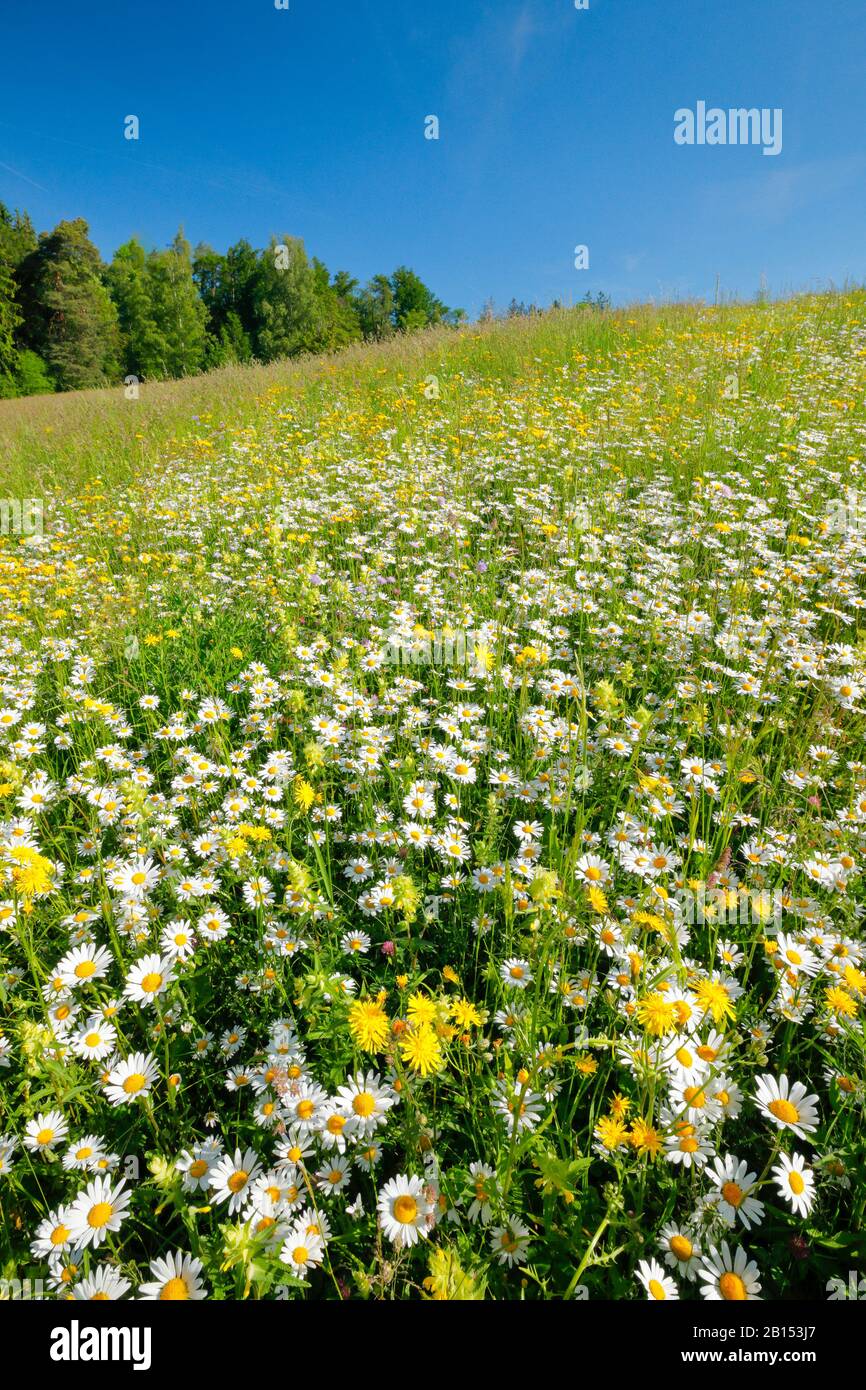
(70,321)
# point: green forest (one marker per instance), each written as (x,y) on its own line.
(69,321)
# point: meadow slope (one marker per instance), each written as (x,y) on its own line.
(432,815)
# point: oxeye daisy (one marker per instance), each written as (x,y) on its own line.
(681,1249)
(697,1102)
(729,1277)
(306,1105)
(787,1105)
(509,1242)
(592,870)
(795,1182)
(658,1285)
(131,1079)
(148,979)
(213,925)
(687,1147)
(365,1101)
(355,943)
(45,1131)
(83,965)
(175,1277)
(8,1145)
(102,1285)
(230,1178)
(334,1128)
(84,1153)
(178,940)
(731,1193)
(296,1146)
(302,1250)
(683,1063)
(95,1040)
(515,973)
(52,1235)
(403,1209)
(333,1176)
(97,1211)
(482,1186)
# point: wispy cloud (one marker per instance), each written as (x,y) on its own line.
(519,35)
(774,196)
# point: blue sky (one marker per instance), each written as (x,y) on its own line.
(556,129)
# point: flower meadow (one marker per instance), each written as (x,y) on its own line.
(432,821)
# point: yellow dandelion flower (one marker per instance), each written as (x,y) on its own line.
(421,1009)
(368,1024)
(421,1050)
(840,1002)
(657,1015)
(611,1132)
(304,794)
(713,997)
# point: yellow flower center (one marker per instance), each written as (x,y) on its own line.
(134,1083)
(405,1209)
(198,1169)
(238,1181)
(733,1193)
(656,1289)
(45,1136)
(84,969)
(784,1111)
(682,1247)
(99,1215)
(151,983)
(364,1104)
(174,1290)
(796,1182)
(732,1288)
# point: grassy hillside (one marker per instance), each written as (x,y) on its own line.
(446,754)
